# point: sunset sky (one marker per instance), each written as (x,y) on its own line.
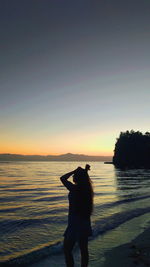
(73,74)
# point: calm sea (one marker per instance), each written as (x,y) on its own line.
(34,204)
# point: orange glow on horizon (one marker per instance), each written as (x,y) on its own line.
(76,143)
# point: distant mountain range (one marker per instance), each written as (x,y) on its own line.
(63,157)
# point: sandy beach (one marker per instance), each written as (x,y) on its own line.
(135,253)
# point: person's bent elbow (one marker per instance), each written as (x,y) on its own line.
(62,179)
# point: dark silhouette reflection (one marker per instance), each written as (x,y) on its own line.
(131,181)
(80,209)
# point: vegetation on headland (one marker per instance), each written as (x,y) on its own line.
(132,150)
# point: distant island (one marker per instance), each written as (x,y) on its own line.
(63,157)
(132,150)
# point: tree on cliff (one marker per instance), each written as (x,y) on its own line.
(132,150)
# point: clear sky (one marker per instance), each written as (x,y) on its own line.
(73,74)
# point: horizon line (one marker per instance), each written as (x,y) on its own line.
(45,155)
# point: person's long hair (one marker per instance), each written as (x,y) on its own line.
(84,193)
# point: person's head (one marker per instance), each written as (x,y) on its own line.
(87,167)
(80,175)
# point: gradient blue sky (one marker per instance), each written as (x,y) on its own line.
(73,74)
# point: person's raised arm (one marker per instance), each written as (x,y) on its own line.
(66,176)
(64,180)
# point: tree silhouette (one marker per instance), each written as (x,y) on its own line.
(132,150)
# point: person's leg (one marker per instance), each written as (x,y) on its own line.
(83,244)
(68,247)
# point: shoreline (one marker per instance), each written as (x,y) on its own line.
(113,248)
(136,252)
(131,252)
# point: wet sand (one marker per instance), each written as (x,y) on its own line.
(136,253)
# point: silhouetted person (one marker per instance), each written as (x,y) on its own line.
(80,209)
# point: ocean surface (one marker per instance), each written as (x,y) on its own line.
(34,206)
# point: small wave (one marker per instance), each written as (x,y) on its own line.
(123,201)
(38,191)
(123,188)
(50,198)
(104,193)
(107,224)
(13,198)
(9,226)
(55,211)
(17,176)
(1,162)
(20,190)
(35,255)
(105,185)
(10,209)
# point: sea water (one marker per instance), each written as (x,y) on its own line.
(34,207)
